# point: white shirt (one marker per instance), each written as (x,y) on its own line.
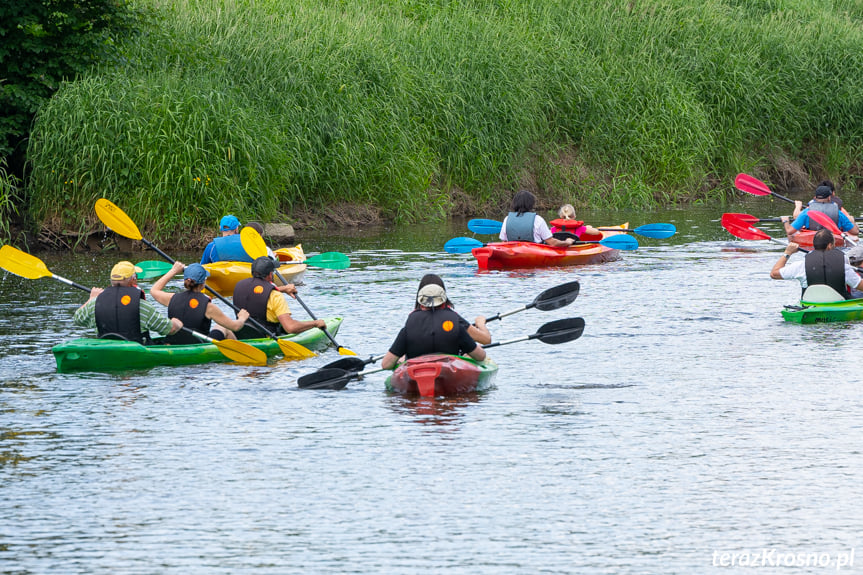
(797,271)
(540,230)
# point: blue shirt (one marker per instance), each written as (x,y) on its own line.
(802,221)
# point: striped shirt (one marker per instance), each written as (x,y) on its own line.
(151,319)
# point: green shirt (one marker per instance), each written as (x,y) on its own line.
(151,319)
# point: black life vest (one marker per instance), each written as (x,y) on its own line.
(118,314)
(251,294)
(432,331)
(830,209)
(826,267)
(191,309)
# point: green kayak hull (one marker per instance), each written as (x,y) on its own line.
(437,375)
(90,354)
(807,313)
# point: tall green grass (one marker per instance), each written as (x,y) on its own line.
(9,186)
(258,108)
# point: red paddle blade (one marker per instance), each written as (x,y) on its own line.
(750,185)
(824,220)
(741,229)
(748,218)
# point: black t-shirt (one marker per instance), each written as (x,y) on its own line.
(433,331)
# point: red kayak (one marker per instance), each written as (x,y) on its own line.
(442,375)
(510,255)
(803,238)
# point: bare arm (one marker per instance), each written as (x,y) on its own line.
(216,314)
(389,361)
(479,332)
(556,243)
(157,291)
(290,325)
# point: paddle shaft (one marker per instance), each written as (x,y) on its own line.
(308,311)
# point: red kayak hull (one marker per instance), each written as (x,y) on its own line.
(803,238)
(441,375)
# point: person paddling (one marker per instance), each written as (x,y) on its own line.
(120,312)
(432,327)
(523,224)
(265,302)
(821,203)
(822,266)
(228,247)
(194,308)
(477,330)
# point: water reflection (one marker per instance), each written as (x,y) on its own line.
(444,414)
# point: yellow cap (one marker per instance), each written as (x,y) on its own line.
(124,270)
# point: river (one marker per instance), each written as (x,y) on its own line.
(689,428)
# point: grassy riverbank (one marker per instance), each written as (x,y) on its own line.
(416,108)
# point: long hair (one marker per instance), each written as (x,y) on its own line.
(430,279)
(523,202)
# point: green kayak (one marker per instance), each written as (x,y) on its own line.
(812,312)
(90,354)
(441,375)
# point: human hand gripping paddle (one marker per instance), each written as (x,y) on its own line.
(117,220)
(553,332)
(553,298)
(255,247)
(617,242)
(657,231)
(27,266)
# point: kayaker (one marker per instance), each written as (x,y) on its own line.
(523,224)
(798,205)
(432,328)
(265,303)
(822,204)
(574,228)
(822,266)
(120,311)
(477,330)
(194,308)
(228,247)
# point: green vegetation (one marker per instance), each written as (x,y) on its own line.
(8,197)
(258,108)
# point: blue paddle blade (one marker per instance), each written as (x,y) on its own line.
(461,245)
(484,226)
(658,231)
(620,242)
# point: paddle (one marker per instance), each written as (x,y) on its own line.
(752,219)
(658,231)
(351,363)
(465,245)
(754,186)
(552,298)
(827,222)
(152,269)
(25,265)
(117,220)
(255,247)
(329,260)
(554,332)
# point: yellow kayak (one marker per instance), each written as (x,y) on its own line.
(225,275)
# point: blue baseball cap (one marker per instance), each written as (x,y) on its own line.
(229,223)
(197,273)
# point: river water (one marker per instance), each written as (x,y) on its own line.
(688,427)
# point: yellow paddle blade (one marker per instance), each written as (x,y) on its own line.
(292,350)
(253,243)
(346,351)
(241,352)
(23,264)
(116,219)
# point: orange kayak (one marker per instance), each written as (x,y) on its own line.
(511,255)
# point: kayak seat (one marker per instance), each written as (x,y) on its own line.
(821,294)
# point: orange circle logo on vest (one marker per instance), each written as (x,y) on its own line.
(447,326)
(193,303)
(125,300)
(259,289)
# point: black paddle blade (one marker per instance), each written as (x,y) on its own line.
(557,297)
(560,330)
(326,379)
(349,363)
